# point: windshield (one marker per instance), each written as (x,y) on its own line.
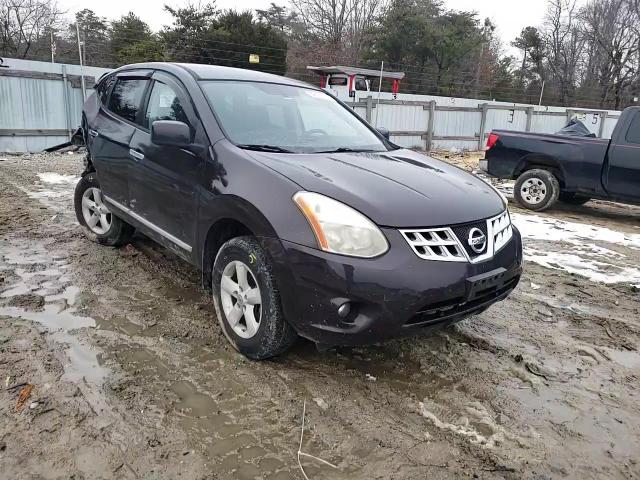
(287,119)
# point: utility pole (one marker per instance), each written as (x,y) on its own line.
(541,93)
(379,90)
(53,49)
(84,89)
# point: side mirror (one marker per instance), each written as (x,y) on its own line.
(170,133)
(384,132)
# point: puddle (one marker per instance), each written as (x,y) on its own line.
(38,272)
(627,358)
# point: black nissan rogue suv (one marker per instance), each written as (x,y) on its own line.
(303,218)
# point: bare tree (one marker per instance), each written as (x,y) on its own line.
(25,26)
(564,45)
(342,25)
(612,26)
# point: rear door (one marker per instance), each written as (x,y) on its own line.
(111,132)
(164,180)
(624,162)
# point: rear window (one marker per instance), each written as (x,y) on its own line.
(126,98)
(338,81)
(633,135)
(103,88)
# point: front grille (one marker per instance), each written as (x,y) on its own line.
(452,244)
(435,244)
(463,231)
(435,313)
(501,229)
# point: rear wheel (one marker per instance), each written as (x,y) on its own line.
(537,189)
(99,224)
(247,300)
(573,198)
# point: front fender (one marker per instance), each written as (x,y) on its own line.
(218,210)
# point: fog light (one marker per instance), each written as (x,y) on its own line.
(344,309)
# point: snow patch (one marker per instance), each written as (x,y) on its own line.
(571,246)
(57,178)
(550,229)
(594,270)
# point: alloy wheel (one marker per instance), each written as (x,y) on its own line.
(96,214)
(241,299)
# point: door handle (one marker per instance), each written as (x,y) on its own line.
(93,133)
(136,154)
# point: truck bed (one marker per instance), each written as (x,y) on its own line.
(578,160)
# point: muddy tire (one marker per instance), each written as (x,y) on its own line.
(537,189)
(247,300)
(573,198)
(98,223)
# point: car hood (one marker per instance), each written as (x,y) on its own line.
(400,188)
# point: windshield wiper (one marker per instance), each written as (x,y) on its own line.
(264,148)
(345,149)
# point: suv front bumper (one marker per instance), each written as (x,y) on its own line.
(392,295)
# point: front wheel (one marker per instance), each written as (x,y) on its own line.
(537,189)
(99,224)
(247,301)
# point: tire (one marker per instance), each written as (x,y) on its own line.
(537,189)
(110,230)
(573,198)
(258,331)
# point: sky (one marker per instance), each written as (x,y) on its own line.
(510,16)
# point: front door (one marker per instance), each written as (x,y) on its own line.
(624,163)
(163,182)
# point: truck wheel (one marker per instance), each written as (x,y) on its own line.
(537,189)
(573,198)
(99,224)
(247,301)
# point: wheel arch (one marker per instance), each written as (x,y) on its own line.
(544,162)
(228,218)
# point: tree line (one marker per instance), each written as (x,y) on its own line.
(585,56)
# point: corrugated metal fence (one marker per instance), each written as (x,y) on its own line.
(41,104)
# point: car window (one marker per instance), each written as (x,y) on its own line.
(297,119)
(164,104)
(633,134)
(103,88)
(126,98)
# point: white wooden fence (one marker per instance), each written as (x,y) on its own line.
(417,121)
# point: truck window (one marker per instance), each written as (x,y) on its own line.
(633,134)
(126,98)
(338,81)
(361,84)
(164,104)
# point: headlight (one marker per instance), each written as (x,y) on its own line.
(339,228)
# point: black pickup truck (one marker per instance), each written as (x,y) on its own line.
(569,168)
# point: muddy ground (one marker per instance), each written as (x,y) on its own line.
(132,377)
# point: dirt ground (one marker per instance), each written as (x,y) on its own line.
(132,377)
